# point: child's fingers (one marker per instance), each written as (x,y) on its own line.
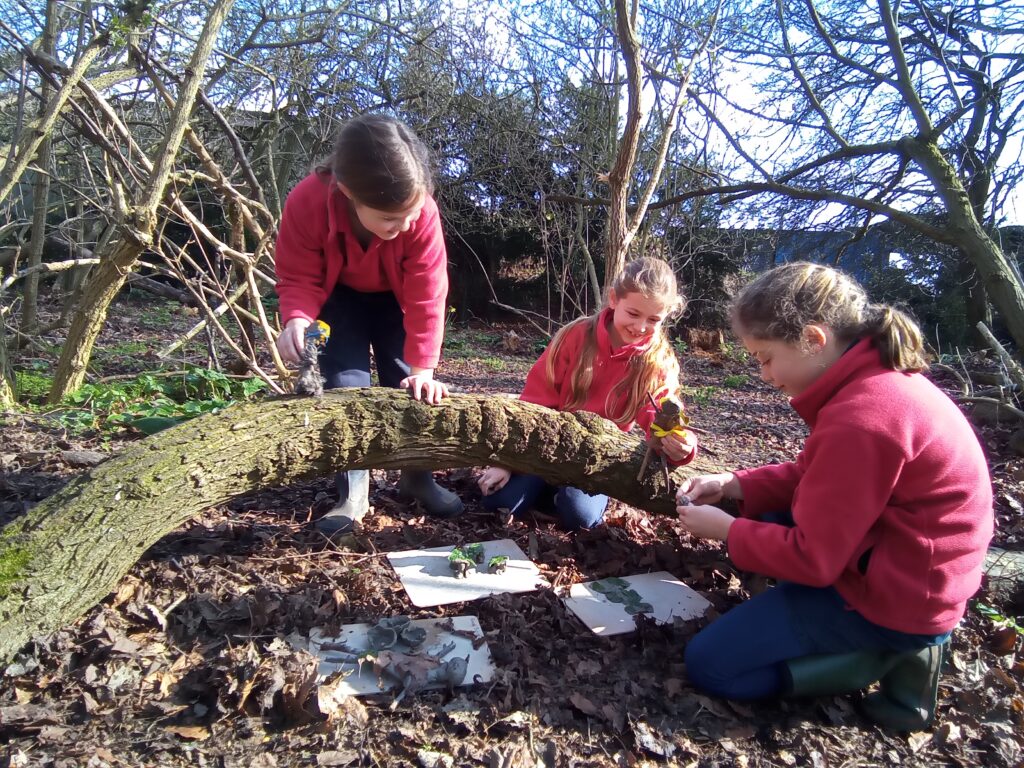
(412,385)
(440,392)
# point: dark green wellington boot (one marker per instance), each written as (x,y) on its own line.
(831,674)
(906,701)
(353,503)
(437,501)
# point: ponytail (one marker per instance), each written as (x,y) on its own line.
(783,301)
(898,337)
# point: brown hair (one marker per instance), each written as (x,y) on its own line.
(656,370)
(783,301)
(381,162)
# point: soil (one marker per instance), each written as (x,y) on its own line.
(189,662)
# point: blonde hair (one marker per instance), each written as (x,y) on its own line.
(653,371)
(783,301)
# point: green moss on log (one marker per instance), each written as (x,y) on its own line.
(14,561)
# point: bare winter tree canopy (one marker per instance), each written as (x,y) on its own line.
(566,138)
(850,113)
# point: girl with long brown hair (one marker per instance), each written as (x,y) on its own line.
(361,248)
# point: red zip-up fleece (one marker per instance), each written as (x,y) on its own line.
(317,249)
(891,473)
(610,367)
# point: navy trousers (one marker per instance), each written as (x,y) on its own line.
(741,655)
(360,322)
(573,508)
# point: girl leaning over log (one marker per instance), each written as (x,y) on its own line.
(361,248)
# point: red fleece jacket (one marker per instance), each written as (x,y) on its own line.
(891,468)
(610,367)
(317,249)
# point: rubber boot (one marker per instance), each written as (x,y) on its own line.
(420,485)
(906,701)
(831,674)
(353,503)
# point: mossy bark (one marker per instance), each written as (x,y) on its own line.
(71,550)
(8,395)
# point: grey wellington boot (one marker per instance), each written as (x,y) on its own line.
(353,503)
(906,701)
(831,674)
(437,501)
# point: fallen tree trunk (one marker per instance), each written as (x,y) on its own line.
(71,550)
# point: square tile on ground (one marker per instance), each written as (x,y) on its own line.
(429,581)
(667,596)
(361,679)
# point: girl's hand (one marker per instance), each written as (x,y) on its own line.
(706,522)
(676,449)
(709,489)
(492,480)
(291,341)
(422,386)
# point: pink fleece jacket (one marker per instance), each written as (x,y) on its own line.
(317,249)
(891,497)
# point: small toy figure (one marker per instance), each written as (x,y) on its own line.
(497,564)
(669,420)
(460,562)
(309,381)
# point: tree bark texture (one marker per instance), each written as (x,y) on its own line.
(619,234)
(71,550)
(8,396)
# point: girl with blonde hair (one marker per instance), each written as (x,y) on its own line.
(610,363)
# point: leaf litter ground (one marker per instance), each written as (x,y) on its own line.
(189,661)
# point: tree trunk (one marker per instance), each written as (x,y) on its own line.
(8,395)
(976,306)
(108,278)
(620,177)
(41,189)
(1001,283)
(71,550)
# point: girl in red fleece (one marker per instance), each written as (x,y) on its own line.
(360,247)
(608,364)
(876,533)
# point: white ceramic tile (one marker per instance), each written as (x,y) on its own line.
(666,594)
(361,679)
(429,581)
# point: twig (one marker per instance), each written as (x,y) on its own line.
(1014,370)
(52,266)
(999,403)
(198,327)
(965,388)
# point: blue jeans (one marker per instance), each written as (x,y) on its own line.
(361,321)
(573,508)
(741,655)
